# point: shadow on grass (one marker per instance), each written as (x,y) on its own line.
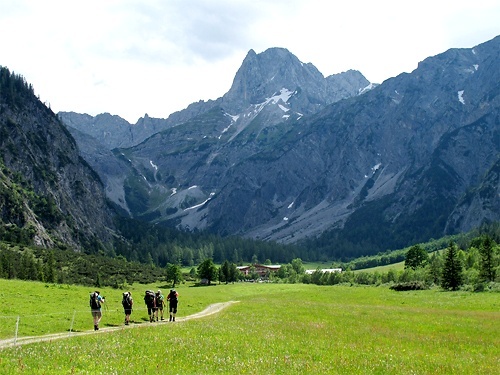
(199,285)
(166,287)
(139,322)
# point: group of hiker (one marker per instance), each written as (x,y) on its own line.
(155,302)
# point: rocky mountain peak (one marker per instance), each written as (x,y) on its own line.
(268,73)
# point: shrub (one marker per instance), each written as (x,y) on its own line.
(410,285)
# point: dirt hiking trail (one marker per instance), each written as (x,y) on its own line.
(210,310)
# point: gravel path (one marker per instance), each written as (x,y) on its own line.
(210,310)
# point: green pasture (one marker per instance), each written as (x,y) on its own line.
(400,266)
(273,329)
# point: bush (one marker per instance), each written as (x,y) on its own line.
(480,287)
(411,285)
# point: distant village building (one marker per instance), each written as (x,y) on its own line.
(324,270)
(261,269)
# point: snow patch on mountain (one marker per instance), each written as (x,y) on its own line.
(366,88)
(283,108)
(461,96)
(234,118)
(284,95)
(201,204)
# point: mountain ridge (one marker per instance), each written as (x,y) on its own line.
(279,158)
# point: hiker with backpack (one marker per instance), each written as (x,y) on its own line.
(127,303)
(173,298)
(160,303)
(150,301)
(95,307)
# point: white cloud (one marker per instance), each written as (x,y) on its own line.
(129,57)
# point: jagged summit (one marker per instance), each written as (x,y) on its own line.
(275,69)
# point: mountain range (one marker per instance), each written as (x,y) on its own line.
(288,155)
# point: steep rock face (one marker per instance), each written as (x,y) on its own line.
(480,204)
(112,170)
(72,206)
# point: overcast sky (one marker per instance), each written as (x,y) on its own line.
(130,57)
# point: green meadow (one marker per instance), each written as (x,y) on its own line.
(272,329)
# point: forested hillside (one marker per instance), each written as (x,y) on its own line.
(49,196)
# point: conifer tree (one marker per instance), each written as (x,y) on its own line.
(487,270)
(452,277)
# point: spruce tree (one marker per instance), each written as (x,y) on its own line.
(452,276)
(487,271)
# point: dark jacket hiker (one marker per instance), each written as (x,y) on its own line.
(150,301)
(173,299)
(127,303)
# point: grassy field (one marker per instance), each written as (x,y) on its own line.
(274,329)
(400,266)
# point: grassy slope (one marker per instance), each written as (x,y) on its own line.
(400,266)
(276,328)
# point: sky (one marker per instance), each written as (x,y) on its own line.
(131,58)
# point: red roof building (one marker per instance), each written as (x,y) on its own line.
(261,269)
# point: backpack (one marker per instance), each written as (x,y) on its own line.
(159,300)
(94,301)
(149,298)
(173,297)
(126,301)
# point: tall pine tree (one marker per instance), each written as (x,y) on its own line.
(452,277)
(487,270)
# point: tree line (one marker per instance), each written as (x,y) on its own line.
(452,268)
(160,245)
(69,267)
(476,267)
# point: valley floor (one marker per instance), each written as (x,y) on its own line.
(210,310)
